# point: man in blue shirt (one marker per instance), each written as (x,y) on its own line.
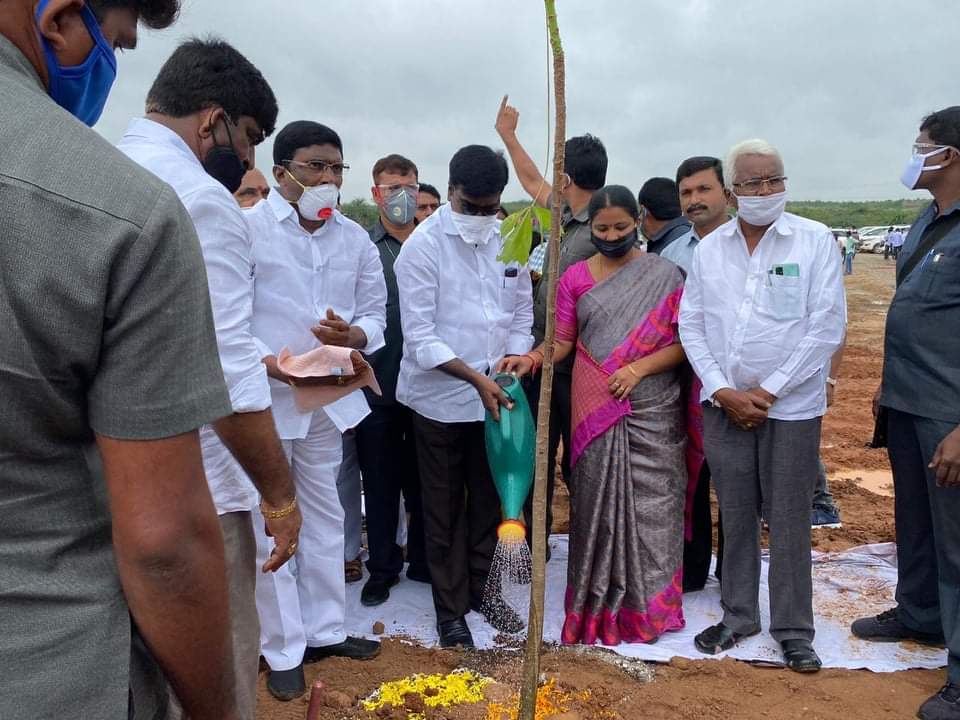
(920,394)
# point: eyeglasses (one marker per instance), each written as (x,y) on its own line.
(777,183)
(319,167)
(391,189)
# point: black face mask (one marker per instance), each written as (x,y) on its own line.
(615,248)
(223,164)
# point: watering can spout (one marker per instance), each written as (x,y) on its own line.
(511,445)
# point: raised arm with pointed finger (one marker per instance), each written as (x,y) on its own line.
(526,169)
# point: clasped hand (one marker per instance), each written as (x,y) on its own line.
(747,409)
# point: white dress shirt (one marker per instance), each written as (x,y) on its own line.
(742,325)
(456,301)
(301,274)
(225,242)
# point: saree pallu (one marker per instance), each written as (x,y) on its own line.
(630,474)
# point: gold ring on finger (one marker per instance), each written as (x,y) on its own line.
(291,548)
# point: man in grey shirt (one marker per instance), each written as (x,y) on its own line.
(585,168)
(109,543)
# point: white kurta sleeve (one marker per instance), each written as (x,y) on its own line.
(418,273)
(225,242)
(693,333)
(371,301)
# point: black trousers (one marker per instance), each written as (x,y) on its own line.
(560,420)
(928,533)
(698,550)
(388,462)
(461,512)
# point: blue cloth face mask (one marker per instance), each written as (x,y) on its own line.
(81,90)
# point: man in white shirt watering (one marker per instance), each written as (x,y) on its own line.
(461,312)
(768,287)
(206,111)
(319,280)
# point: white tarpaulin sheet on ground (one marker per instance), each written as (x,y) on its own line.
(846,585)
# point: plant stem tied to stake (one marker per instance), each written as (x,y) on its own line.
(531,660)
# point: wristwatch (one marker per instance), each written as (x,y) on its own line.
(831,381)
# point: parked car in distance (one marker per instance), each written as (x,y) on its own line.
(872,239)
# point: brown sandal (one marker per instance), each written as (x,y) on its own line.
(353,570)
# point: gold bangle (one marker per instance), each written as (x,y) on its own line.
(282,512)
(632,371)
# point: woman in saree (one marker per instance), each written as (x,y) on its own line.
(618,312)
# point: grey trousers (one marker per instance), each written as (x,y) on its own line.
(240,547)
(928,533)
(821,491)
(765,473)
(349,488)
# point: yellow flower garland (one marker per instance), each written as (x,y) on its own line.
(461,687)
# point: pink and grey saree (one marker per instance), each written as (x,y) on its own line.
(630,465)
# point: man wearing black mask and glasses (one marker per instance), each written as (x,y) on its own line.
(206,111)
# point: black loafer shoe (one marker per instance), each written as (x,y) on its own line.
(800,656)
(287,684)
(945,705)
(718,638)
(353,648)
(419,574)
(499,615)
(886,627)
(455,632)
(376,591)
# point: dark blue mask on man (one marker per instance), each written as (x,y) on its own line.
(81,90)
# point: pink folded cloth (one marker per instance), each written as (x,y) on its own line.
(324,362)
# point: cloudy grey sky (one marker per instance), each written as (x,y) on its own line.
(839,86)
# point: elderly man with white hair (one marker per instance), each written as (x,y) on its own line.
(767,285)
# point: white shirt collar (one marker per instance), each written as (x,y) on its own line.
(148,129)
(731,228)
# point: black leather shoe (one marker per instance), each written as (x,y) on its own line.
(886,627)
(945,705)
(718,638)
(501,616)
(353,648)
(800,656)
(287,684)
(376,591)
(455,632)
(419,573)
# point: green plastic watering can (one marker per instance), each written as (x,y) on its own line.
(511,445)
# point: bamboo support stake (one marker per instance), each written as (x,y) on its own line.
(531,659)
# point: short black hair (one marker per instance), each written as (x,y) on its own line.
(479,171)
(393,164)
(943,126)
(155,14)
(430,190)
(208,72)
(585,161)
(301,134)
(691,166)
(660,197)
(613,196)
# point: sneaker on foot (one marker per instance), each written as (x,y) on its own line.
(945,705)
(824,516)
(886,627)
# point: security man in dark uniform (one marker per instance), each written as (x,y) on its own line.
(920,396)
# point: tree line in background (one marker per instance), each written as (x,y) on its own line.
(831,214)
